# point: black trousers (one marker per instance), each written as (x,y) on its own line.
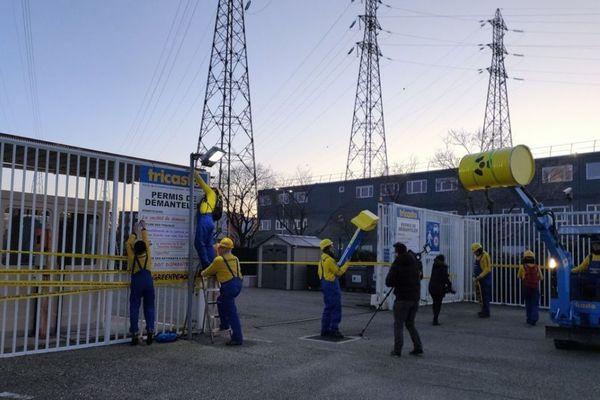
(405,313)
(437,306)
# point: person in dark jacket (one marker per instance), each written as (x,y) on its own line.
(439,285)
(404,276)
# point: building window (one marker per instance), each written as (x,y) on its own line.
(301,197)
(283,198)
(279,226)
(265,224)
(592,170)
(415,187)
(560,173)
(341,189)
(513,210)
(559,208)
(300,224)
(364,192)
(264,200)
(389,189)
(452,212)
(446,184)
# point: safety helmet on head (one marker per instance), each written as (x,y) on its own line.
(325,243)
(476,246)
(528,254)
(226,243)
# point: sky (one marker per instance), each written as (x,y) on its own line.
(129,76)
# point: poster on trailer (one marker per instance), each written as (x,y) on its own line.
(164,206)
(407,229)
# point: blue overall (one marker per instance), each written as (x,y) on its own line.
(486,288)
(226,305)
(332,313)
(203,242)
(142,287)
(532,300)
(592,289)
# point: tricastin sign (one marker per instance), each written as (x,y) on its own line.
(164,203)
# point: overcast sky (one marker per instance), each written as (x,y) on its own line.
(92,64)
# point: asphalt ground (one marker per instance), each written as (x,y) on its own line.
(465,358)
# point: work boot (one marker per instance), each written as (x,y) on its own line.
(416,352)
(336,334)
(436,323)
(134,339)
(325,333)
(150,338)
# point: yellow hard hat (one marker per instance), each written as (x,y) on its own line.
(528,254)
(226,243)
(325,243)
(475,247)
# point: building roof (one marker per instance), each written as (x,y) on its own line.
(296,240)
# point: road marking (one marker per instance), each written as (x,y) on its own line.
(8,395)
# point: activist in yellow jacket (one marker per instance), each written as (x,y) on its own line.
(144,260)
(219,268)
(485,264)
(208,204)
(585,264)
(328,268)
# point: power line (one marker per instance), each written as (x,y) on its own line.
(31,68)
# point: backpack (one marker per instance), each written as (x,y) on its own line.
(217,212)
(531,279)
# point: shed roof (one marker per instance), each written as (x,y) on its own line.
(296,240)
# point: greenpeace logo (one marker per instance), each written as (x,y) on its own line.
(166,178)
(589,306)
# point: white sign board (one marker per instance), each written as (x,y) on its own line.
(407,229)
(164,206)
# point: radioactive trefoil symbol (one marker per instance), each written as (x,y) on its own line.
(481,164)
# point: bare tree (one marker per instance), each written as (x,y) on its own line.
(456,145)
(242,210)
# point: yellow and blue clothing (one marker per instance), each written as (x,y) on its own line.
(482,271)
(142,285)
(205,225)
(586,284)
(227,270)
(531,275)
(332,296)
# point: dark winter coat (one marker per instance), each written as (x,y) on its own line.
(439,284)
(404,276)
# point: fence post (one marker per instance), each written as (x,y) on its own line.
(112,249)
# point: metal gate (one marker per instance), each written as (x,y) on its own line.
(454,234)
(507,236)
(66,216)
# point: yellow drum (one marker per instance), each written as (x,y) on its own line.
(513,166)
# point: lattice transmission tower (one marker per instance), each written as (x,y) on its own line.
(367,153)
(227,112)
(496,124)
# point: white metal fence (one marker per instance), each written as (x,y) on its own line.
(507,236)
(66,216)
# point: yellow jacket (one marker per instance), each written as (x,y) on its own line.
(328,268)
(521,273)
(208,205)
(486,265)
(220,270)
(141,259)
(585,264)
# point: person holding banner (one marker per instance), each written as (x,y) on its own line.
(226,267)
(205,223)
(139,259)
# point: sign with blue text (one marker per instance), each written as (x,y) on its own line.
(432,236)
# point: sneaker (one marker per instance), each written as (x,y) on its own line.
(150,338)
(233,343)
(135,339)
(416,352)
(394,353)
